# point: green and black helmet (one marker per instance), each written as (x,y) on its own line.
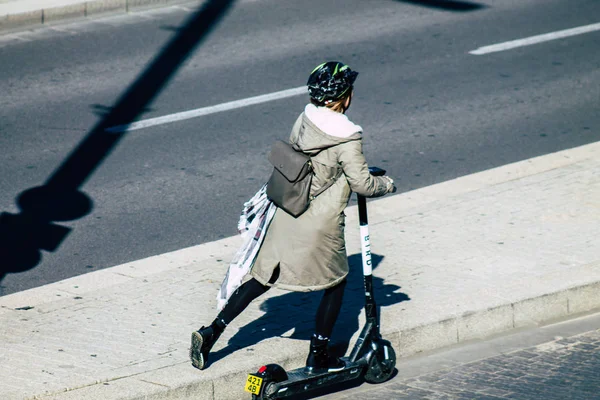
(330,81)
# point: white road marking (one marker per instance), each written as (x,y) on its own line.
(63,30)
(208,110)
(12,37)
(536,39)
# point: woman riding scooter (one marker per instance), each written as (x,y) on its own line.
(308,253)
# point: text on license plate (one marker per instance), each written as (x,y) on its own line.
(253,384)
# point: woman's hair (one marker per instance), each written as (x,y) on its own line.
(337,105)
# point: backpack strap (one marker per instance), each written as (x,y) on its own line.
(328,184)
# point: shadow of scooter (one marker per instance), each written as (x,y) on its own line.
(296,311)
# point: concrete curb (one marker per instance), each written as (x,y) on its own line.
(473,325)
(480,324)
(27,14)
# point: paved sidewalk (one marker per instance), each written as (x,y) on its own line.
(506,248)
(28,14)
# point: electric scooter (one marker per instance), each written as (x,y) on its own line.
(372,357)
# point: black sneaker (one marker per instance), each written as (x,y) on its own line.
(320,361)
(202,341)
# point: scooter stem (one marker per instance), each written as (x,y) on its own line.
(371,328)
(365,244)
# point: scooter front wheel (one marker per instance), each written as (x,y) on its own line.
(382,364)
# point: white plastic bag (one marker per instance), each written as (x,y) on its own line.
(252,225)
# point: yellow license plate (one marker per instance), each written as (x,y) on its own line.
(253,384)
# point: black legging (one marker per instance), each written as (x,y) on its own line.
(327,313)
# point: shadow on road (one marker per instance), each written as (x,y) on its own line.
(24,235)
(449,5)
(296,311)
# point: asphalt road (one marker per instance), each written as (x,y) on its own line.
(430,111)
(554,362)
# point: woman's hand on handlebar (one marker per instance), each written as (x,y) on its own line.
(391,188)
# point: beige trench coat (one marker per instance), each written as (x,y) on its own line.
(310,250)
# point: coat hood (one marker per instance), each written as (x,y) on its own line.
(319,128)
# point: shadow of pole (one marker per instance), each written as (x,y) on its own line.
(24,235)
(449,5)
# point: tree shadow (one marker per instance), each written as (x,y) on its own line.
(449,5)
(24,235)
(296,311)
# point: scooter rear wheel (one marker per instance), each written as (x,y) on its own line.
(382,364)
(263,395)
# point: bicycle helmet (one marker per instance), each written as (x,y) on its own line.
(330,81)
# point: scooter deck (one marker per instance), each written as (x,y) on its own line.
(300,381)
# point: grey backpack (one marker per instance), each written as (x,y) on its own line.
(289,184)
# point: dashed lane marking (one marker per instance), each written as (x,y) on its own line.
(535,39)
(146,123)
